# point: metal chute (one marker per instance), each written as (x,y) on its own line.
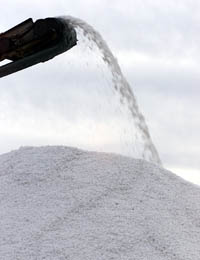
(29,43)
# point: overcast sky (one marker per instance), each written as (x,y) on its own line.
(157,44)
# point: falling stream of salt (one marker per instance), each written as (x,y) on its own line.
(120,84)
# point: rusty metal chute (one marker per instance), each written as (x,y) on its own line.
(29,43)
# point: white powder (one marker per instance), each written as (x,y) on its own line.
(59,203)
(120,85)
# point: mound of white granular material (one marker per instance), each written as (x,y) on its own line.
(60,203)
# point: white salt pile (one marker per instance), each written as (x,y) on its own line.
(61,203)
